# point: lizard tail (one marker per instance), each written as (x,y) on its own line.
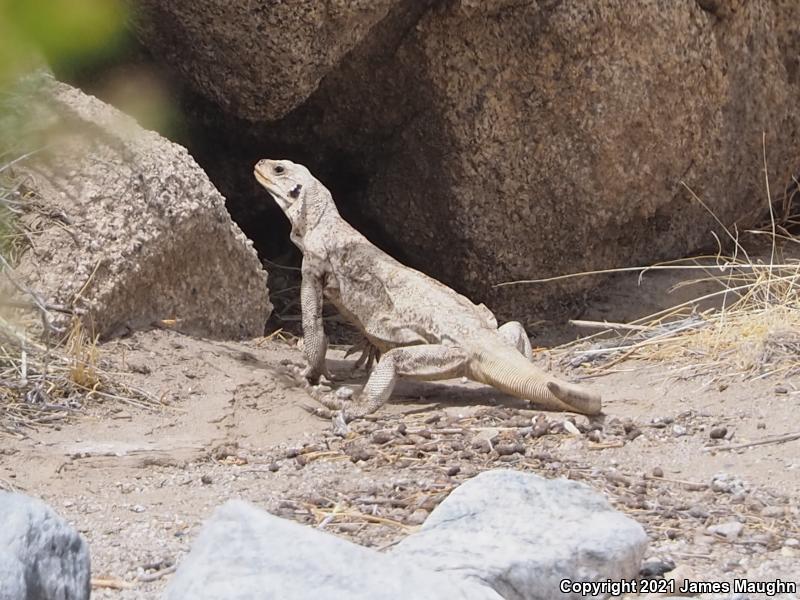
(510,372)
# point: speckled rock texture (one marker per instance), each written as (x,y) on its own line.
(42,557)
(522,535)
(129,227)
(244,553)
(257,60)
(530,139)
(492,141)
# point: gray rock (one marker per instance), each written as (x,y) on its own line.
(244,553)
(522,534)
(729,530)
(257,60)
(42,557)
(146,237)
(530,139)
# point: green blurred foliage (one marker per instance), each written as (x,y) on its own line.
(65,33)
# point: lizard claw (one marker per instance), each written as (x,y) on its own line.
(317,411)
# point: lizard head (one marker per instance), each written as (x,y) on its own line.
(301,197)
(287,182)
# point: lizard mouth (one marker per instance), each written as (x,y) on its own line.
(262,179)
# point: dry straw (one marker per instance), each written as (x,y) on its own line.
(749,327)
(47,372)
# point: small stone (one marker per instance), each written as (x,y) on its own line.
(594,436)
(454,470)
(273,467)
(791,543)
(717,433)
(658,472)
(382,436)
(417,517)
(656,567)
(511,448)
(481,446)
(679,430)
(730,530)
(137,508)
(206,479)
(698,512)
(781,389)
(633,434)
(761,425)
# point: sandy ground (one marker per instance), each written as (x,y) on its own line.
(139,483)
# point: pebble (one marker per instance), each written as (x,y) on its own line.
(781,389)
(658,472)
(382,436)
(717,433)
(594,436)
(656,567)
(417,517)
(206,479)
(679,430)
(730,530)
(698,512)
(454,470)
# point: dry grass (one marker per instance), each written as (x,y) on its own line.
(46,373)
(747,328)
(752,332)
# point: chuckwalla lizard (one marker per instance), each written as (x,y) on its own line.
(422,329)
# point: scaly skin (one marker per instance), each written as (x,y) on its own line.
(418,327)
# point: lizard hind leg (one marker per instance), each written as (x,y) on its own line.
(427,362)
(514,334)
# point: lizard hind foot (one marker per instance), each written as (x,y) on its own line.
(576,397)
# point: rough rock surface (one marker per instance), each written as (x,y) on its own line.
(488,142)
(552,137)
(130,228)
(244,553)
(522,535)
(256,60)
(42,557)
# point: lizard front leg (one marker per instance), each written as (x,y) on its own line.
(315,342)
(514,333)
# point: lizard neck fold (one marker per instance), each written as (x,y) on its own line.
(305,215)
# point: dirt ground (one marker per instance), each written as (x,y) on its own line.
(139,482)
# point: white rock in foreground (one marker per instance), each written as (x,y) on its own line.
(244,553)
(522,535)
(42,557)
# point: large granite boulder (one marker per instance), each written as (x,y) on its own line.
(257,60)
(135,233)
(524,140)
(492,141)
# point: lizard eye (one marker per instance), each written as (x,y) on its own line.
(279,170)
